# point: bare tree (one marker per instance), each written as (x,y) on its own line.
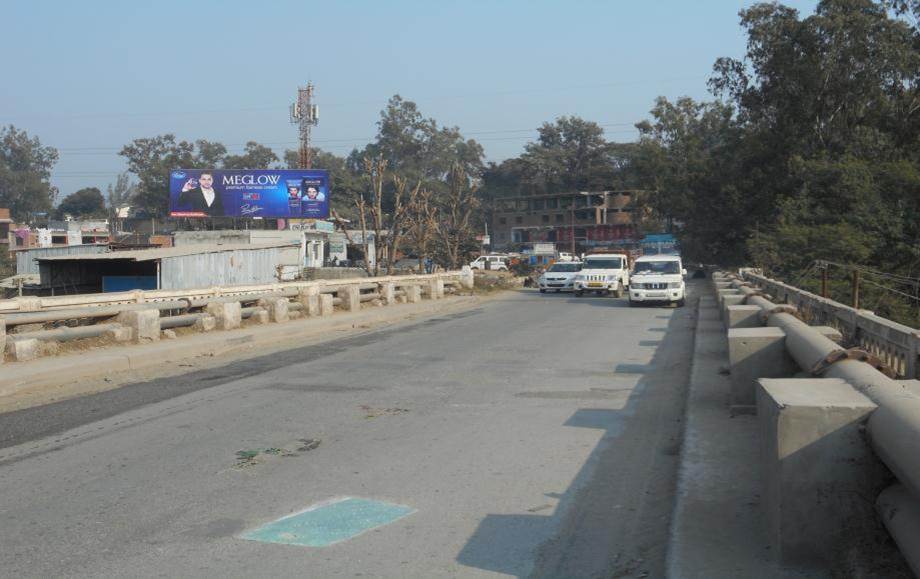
(399,220)
(422,222)
(455,226)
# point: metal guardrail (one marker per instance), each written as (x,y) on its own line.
(116,315)
(897,345)
(894,427)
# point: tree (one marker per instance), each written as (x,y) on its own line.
(25,171)
(87,202)
(151,159)
(455,227)
(255,156)
(570,154)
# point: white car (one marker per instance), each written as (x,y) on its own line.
(658,278)
(490,262)
(603,273)
(560,277)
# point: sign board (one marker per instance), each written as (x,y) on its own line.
(312,225)
(257,193)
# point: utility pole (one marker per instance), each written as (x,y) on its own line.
(305,115)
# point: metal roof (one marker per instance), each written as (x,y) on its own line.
(167,252)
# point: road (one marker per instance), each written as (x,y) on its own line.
(535,435)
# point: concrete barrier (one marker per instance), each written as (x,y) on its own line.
(817,468)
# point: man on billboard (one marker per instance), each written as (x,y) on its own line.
(314,194)
(201,196)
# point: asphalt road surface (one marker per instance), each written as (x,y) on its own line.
(535,435)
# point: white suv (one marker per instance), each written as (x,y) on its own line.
(603,273)
(658,278)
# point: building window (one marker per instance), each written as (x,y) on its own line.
(518,219)
(552,203)
(538,204)
(565,202)
(545,218)
(560,218)
(502,221)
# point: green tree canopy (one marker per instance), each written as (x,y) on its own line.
(25,171)
(86,202)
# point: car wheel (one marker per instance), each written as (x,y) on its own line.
(542,291)
(618,293)
(633,304)
(557,291)
(680,302)
(579,293)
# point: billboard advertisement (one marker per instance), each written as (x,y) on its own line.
(283,193)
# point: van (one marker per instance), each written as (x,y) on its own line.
(490,262)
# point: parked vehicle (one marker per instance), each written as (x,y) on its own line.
(603,273)
(658,278)
(490,262)
(560,277)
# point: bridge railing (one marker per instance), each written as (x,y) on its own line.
(32,326)
(895,344)
(829,432)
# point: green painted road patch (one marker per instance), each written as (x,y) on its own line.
(329,522)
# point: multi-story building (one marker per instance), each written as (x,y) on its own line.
(594,219)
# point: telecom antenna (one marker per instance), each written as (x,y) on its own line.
(305,115)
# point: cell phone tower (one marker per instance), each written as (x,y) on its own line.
(305,115)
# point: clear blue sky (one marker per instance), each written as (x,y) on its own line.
(88,77)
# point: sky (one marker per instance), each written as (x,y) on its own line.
(88,77)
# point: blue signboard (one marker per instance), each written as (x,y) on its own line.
(659,243)
(249,193)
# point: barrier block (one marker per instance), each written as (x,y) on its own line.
(755,353)
(205,324)
(309,297)
(122,334)
(741,316)
(436,288)
(351,298)
(228,315)
(388,293)
(467,279)
(144,324)
(23,350)
(413,293)
(260,316)
(820,474)
(277,309)
(326,307)
(2,338)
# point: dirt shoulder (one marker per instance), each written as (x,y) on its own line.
(52,379)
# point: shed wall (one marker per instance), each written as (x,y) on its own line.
(25,258)
(250,266)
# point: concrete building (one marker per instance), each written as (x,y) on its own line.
(5,232)
(190,266)
(595,219)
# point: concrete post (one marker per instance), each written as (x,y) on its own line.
(413,293)
(228,315)
(144,324)
(739,316)
(755,353)
(388,293)
(727,302)
(2,339)
(23,350)
(819,471)
(205,323)
(351,297)
(277,309)
(309,297)
(326,307)
(121,334)
(436,288)
(720,295)
(467,279)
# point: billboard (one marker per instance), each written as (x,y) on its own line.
(284,193)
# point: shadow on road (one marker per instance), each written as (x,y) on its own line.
(613,519)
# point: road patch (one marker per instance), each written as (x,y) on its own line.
(329,522)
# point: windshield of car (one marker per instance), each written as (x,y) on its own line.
(657,267)
(565,267)
(609,263)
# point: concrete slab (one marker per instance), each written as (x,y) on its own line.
(23,350)
(755,353)
(228,315)
(818,467)
(326,306)
(351,298)
(741,316)
(144,324)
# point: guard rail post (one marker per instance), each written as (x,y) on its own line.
(2,338)
(388,292)
(351,297)
(326,305)
(309,297)
(227,315)
(144,324)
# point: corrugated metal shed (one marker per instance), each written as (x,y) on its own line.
(26,258)
(248,265)
(167,252)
